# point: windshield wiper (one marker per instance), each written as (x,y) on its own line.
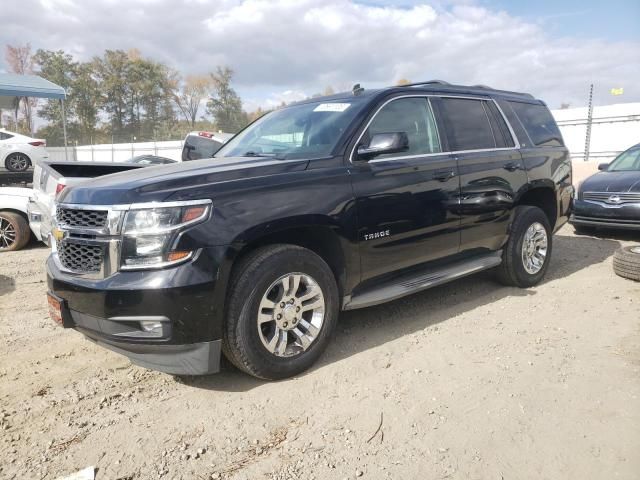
(251,153)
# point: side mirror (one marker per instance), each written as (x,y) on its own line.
(381,143)
(603,166)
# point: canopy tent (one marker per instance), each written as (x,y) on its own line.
(14,86)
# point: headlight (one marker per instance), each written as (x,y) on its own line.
(149,234)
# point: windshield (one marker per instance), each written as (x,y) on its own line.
(626,161)
(310,130)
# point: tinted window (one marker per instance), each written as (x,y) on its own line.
(626,161)
(196,147)
(412,116)
(467,124)
(501,132)
(538,123)
(5,136)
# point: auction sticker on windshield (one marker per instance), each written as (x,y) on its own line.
(332,107)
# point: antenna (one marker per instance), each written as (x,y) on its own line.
(357,89)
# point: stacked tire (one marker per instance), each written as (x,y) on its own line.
(626,262)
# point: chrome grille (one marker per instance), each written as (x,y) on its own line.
(612,198)
(77,218)
(79,257)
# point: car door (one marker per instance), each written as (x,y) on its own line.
(405,201)
(490,167)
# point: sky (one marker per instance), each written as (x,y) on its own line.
(290,49)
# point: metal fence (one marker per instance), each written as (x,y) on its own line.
(116,152)
(613,129)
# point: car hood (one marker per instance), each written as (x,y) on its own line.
(179,181)
(612,182)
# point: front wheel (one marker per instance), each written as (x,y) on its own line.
(282,310)
(14,231)
(17,162)
(526,255)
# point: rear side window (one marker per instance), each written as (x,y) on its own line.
(196,147)
(539,124)
(467,123)
(5,136)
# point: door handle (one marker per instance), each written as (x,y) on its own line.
(443,176)
(511,166)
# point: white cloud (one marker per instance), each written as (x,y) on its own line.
(283,49)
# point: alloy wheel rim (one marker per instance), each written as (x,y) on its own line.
(7,233)
(291,314)
(18,162)
(534,248)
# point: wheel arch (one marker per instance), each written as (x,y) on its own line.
(319,237)
(544,197)
(15,210)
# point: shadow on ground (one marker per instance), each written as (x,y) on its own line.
(7,285)
(360,330)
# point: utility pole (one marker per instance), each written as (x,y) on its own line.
(587,141)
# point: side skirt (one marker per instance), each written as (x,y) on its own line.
(421,280)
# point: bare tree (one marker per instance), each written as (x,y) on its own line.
(403,81)
(21,61)
(189,95)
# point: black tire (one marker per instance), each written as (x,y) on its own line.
(14,231)
(511,271)
(17,162)
(250,280)
(626,262)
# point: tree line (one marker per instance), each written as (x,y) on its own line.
(122,97)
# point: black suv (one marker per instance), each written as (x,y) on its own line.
(330,204)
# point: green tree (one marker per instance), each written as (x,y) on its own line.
(60,68)
(225,105)
(112,73)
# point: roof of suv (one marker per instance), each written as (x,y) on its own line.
(432,86)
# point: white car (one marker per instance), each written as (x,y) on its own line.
(18,152)
(14,225)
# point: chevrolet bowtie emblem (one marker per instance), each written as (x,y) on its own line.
(57,234)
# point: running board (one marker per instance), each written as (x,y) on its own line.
(417,281)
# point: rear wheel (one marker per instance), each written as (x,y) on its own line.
(525,257)
(282,310)
(17,162)
(626,262)
(14,231)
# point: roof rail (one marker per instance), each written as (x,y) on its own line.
(428,82)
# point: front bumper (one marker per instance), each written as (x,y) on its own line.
(183,301)
(591,214)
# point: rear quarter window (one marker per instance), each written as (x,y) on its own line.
(5,136)
(538,123)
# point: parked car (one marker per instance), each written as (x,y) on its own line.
(611,197)
(199,145)
(333,203)
(18,152)
(150,160)
(51,178)
(14,225)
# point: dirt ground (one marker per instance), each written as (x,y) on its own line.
(466,381)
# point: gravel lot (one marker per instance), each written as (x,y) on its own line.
(466,381)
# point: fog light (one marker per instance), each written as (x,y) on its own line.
(152,327)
